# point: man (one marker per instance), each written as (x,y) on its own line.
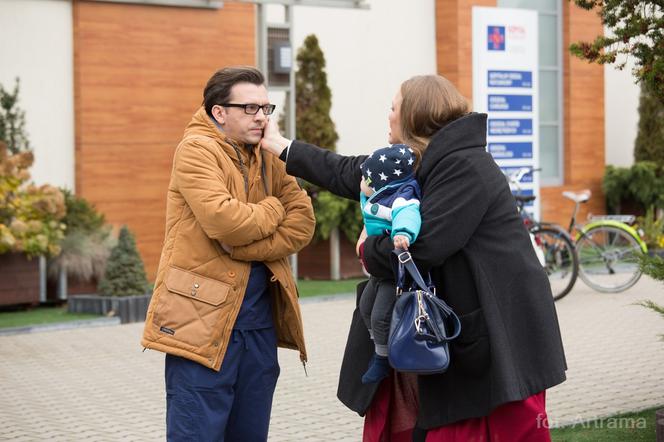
(224,295)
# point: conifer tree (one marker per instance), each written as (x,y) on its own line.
(649,144)
(637,28)
(313,98)
(125,274)
(313,102)
(12,121)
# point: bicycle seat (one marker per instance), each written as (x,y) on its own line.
(578,197)
(525,198)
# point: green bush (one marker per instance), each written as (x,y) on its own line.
(654,267)
(81,215)
(125,274)
(642,183)
(653,229)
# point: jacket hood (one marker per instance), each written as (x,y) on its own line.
(201,124)
(467,132)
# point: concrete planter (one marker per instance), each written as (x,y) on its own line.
(127,308)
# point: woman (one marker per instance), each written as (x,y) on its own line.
(482,263)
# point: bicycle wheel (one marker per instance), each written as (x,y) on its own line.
(608,258)
(559,259)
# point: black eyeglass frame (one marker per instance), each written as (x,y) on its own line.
(267,108)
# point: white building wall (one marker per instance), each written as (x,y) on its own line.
(368,54)
(621,117)
(36,45)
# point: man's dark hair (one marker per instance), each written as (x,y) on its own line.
(218,88)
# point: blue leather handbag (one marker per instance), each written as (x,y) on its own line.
(422,324)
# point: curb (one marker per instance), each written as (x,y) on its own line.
(115,320)
(84,323)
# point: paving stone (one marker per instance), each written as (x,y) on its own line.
(97,385)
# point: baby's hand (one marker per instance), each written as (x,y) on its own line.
(401,242)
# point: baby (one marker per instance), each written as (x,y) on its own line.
(390,200)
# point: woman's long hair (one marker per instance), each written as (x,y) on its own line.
(429,103)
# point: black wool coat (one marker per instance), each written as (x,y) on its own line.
(483,264)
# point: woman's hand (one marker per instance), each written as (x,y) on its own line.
(360,240)
(272,140)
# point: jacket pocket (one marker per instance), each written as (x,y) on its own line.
(190,308)
(471,354)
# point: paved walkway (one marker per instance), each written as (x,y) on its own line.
(95,384)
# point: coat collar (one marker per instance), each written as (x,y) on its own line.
(466,132)
(202,124)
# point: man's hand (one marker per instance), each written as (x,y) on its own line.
(401,242)
(272,140)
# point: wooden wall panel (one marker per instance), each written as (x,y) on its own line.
(454,50)
(139,76)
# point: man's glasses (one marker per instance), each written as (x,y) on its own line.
(252,109)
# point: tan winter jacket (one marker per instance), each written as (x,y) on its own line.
(222,192)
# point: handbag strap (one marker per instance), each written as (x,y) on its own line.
(406,266)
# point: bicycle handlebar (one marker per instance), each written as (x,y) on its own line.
(516,177)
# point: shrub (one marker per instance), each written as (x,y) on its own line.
(642,183)
(125,274)
(30,216)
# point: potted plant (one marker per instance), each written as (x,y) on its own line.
(124,289)
(84,250)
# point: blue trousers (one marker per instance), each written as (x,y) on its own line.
(232,405)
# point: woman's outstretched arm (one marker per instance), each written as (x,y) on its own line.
(339,174)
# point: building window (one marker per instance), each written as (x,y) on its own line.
(550,85)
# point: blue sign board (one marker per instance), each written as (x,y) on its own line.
(509,151)
(521,79)
(516,126)
(510,103)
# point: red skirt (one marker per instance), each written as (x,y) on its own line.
(393,413)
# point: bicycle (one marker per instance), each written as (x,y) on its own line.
(607,248)
(553,245)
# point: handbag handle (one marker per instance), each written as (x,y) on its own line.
(407,266)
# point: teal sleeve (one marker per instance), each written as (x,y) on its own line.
(406,220)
